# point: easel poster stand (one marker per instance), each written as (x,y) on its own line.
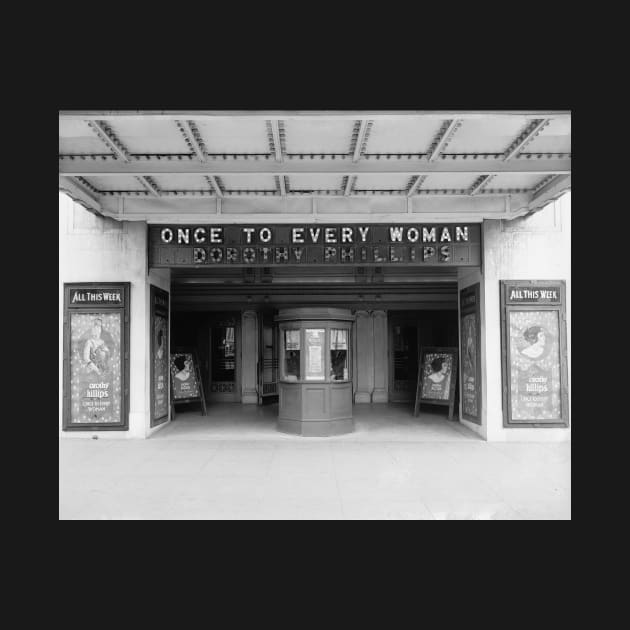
(190,389)
(437,377)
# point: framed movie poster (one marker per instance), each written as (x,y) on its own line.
(96,356)
(470,340)
(159,356)
(534,354)
(437,375)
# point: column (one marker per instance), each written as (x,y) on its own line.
(249,358)
(365,358)
(379,325)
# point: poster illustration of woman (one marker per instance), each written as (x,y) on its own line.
(160,367)
(436,376)
(184,377)
(469,364)
(534,365)
(95,368)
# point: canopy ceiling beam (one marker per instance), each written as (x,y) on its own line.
(416,185)
(193,138)
(532,130)
(149,185)
(277,144)
(361,142)
(109,139)
(81,193)
(215,185)
(156,167)
(443,137)
(550,190)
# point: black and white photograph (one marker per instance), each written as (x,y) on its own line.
(314,314)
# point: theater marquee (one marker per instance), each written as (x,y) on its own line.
(357,244)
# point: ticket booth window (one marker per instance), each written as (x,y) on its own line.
(339,354)
(291,355)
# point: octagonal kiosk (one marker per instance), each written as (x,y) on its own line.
(315,389)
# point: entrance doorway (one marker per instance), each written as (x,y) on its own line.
(267,358)
(224,353)
(409,332)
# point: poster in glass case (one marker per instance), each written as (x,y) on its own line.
(96,363)
(159,355)
(534,365)
(314,340)
(470,353)
(95,367)
(534,353)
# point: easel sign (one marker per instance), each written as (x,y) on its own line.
(186,380)
(437,375)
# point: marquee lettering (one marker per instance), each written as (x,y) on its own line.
(372,244)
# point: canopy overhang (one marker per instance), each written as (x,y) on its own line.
(282,166)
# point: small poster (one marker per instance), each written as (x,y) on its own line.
(159,356)
(437,371)
(315,354)
(469,365)
(534,365)
(95,368)
(184,377)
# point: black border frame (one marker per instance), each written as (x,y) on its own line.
(473,289)
(124,310)
(560,308)
(158,292)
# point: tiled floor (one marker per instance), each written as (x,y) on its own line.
(233,464)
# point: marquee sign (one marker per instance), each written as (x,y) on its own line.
(357,244)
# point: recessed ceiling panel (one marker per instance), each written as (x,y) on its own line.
(182,182)
(115,182)
(149,136)
(237,135)
(448,181)
(488,135)
(413,135)
(554,138)
(515,180)
(315,182)
(377,181)
(75,138)
(248,182)
(318,136)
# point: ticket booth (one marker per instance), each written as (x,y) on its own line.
(315,389)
